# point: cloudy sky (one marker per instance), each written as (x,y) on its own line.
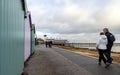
(75,20)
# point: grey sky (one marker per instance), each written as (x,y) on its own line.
(76,20)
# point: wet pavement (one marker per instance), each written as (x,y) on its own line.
(56,61)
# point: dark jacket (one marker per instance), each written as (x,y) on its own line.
(108,34)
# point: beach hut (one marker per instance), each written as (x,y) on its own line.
(32,38)
(28,24)
(29,36)
(12,32)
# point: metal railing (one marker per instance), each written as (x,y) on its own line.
(115,48)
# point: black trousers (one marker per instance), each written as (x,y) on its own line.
(109,47)
(101,55)
(108,52)
(46,44)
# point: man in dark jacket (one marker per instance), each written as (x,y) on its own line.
(109,45)
(50,44)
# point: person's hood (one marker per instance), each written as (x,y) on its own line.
(103,37)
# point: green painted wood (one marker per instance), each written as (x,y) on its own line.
(11,37)
(32,38)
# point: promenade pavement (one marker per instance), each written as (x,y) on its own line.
(56,61)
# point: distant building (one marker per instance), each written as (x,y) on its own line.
(60,42)
(51,40)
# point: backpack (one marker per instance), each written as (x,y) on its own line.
(111,37)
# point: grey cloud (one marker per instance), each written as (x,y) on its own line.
(71,17)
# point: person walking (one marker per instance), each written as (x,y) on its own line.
(101,47)
(46,41)
(50,44)
(111,39)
